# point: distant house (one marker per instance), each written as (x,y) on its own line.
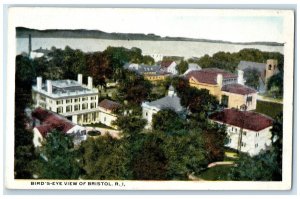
(151,73)
(171,101)
(46,121)
(227,87)
(192,67)
(106,114)
(248,132)
(39,53)
(169,67)
(266,70)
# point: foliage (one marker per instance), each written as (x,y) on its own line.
(275,85)
(133,88)
(252,78)
(105,158)
(58,158)
(182,67)
(258,168)
(216,173)
(277,137)
(167,120)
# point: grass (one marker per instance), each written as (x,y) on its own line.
(216,173)
(269,108)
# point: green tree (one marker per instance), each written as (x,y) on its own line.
(58,158)
(252,78)
(182,67)
(105,158)
(167,121)
(275,85)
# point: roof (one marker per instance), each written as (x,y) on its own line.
(168,102)
(243,119)
(142,68)
(209,75)
(51,121)
(108,104)
(65,86)
(166,64)
(194,66)
(243,65)
(238,89)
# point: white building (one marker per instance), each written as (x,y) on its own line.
(46,121)
(171,101)
(106,114)
(248,132)
(169,67)
(69,98)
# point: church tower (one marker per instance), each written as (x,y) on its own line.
(271,68)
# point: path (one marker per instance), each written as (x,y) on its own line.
(268,99)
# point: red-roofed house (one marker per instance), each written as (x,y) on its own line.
(106,114)
(169,67)
(247,131)
(226,86)
(46,121)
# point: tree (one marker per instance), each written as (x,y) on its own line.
(258,168)
(105,158)
(182,67)
(167,121)
(252,78)
(58,158)
(275,85)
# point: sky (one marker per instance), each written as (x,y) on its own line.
(227,25)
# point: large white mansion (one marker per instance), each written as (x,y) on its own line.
(69,98)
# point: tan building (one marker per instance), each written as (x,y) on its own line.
(227,87)
(106,114)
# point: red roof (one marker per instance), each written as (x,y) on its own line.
(166,64)
(108,104)
(238,89)
(51,121)
(243,119)
(209,75)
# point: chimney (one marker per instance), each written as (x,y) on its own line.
(90,82)
(220,80)
(29,44)
(39,83)
(49,86)
(79,79)
(240,79)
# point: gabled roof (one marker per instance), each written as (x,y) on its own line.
(243,119)
(238,89)
(243,65)
(209,75)
(166,64)
(168,102)
(51,121)
(109,105)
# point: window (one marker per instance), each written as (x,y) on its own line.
(257,134)
(249,100)
(76,107)
(84,106)
(224,100)
(270,67)
(93,98)
(243,144)
(68,101)
(69,108)
(93,105)
(42,98)
(244,133)
(104,119)
(146,113)
(229,141)
(256,145)
(84,99)
(77,100)
(59,109)
(58,102)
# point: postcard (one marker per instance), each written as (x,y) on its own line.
(149,99)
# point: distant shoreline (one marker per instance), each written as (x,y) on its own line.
(22,32)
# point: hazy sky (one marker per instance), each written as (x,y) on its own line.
(229,25)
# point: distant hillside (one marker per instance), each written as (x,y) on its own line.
(23,32)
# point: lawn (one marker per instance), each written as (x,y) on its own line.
(216,173)
(269,108)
